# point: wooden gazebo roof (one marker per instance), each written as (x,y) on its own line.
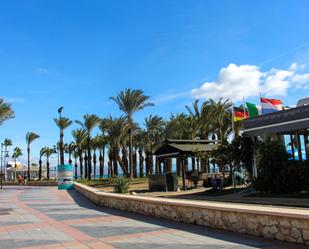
(180,147)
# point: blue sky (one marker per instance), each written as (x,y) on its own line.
(79,53)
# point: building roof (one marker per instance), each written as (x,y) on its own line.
(175,147)
(285,121)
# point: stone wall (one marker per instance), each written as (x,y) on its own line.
(289,224)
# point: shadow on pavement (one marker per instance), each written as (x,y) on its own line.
(242,239)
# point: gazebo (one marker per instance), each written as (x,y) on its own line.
(182,149)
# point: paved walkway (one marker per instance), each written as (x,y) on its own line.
(43,217)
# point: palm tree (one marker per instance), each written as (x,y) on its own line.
(62,123)
(117,129)
(48,153)
(90,121)
(6,111)
(42,153)
(30,137)
(95,145)
(80,136)
(154,127)
(221,110)
(17,152)
(70,149)
(102,144)
(130,101)
(140,143)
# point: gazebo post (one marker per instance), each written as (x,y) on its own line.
(183,173)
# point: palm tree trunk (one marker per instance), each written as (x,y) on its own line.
(40,169)
(61,147)
(81,165)
(94,164)
(85,165)
(141,163)
(130,153)
(101,164)
(89,158)
(28,151)
(76,168)
(115,162)
(135,164)
(70,158)
(124,158)
(47,167)
(110,162)
(103,160)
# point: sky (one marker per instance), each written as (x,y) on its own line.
(78,53)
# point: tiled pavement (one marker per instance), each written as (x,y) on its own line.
(43,217)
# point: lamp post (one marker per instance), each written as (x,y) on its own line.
(60,110)
(3,150)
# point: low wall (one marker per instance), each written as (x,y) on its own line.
(32,183)
(289,224)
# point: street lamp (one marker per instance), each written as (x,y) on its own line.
(6,154)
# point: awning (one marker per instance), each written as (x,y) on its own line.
(285,121)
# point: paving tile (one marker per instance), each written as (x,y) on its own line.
(37,217)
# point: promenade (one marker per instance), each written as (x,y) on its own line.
(43,217)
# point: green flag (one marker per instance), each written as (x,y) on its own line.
(252,109)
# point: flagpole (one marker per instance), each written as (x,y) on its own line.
(233,125)
(243,102)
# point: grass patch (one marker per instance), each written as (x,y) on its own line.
(108,182)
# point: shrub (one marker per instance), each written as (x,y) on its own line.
(278,174)
(121,184)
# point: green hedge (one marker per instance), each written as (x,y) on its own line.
(277,173)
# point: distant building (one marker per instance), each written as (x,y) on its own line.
(14,169)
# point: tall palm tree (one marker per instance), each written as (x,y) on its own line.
(30,137)
(117,130)
(62,123)
(48,153)
(154,127)
(103,141)
(221,110)
(80,136)
(95,145)
(90,121)
(130,101)
(6,111)
(42,153)
(70,149)
(17,152)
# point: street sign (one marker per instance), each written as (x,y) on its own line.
(65,176)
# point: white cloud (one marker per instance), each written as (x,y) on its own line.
(235,82)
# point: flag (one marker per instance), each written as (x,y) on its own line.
(253,110)
(271,105)
(240,114)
